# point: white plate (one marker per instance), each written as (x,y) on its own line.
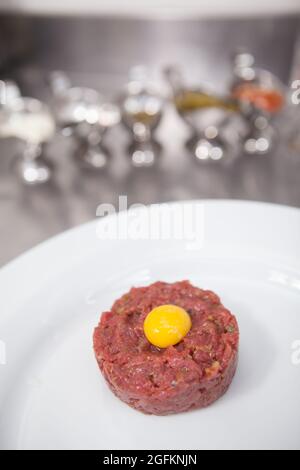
(168,9)
(51,392)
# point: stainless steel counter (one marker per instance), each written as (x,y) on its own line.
(98,53)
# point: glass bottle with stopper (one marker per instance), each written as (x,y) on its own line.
(31,122)
(261,97)
(206,114)
(142,109)
(82,112)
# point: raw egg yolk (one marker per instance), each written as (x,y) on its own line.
(167,325)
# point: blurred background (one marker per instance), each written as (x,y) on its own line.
(156,100)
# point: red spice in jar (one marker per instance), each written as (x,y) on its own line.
(266,99)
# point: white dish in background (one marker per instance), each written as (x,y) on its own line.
(166,9)
(52,395)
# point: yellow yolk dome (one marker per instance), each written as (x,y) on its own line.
(167,325)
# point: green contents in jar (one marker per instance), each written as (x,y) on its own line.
(189,101)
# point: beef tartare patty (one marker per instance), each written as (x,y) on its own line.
(192,374)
